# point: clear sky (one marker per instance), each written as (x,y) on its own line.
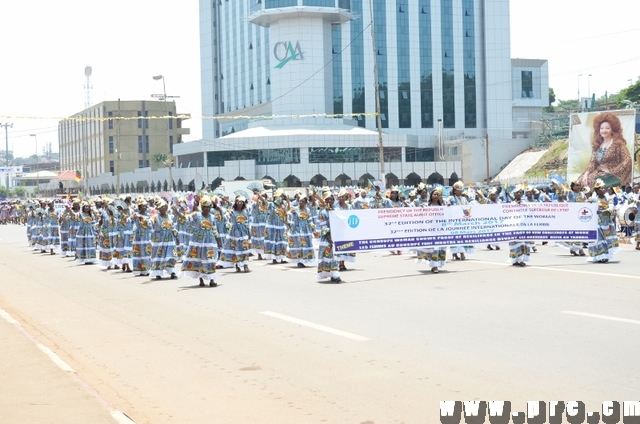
(47,44)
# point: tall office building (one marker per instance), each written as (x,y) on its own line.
(116,137)
(292,83)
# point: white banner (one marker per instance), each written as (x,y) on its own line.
(11,170)
(398,228)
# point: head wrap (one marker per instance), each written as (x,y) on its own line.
(206,201)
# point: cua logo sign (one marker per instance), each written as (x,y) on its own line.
(285,52)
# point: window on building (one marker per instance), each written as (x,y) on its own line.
(111,167)
(171,144)
(170,121)
(140,145)
(140,163)
(146,143)
(111,144)
(139,120)
(110,114)
(527,83)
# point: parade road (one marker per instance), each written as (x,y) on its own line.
(82,344)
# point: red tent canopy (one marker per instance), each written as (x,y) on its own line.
(66,176)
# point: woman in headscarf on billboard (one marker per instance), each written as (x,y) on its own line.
(610,158)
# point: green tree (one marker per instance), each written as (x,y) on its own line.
(19,191)
(552,99)
(630,94)
(568,105)
(4,193)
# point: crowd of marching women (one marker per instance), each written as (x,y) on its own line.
(194,234)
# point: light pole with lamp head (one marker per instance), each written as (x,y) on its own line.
(589,90)
(166,114)
(35,136)
(6,151)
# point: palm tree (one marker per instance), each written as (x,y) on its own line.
(164,159)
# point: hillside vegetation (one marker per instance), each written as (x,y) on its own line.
(552,162)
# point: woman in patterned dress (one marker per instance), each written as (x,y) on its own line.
(164,238)
(69,228)
(52,228)
(519,250)
(342,204)
(141,249)
(394,201)
(86,235)
(327,264)
(275,242)
(237,246)
(124,226)
(202,252)
(457,198)
(603,249)
(435,256)
(182,226)
(301,233)
(109,237)
(259,215)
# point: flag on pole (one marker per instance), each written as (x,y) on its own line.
(78,176)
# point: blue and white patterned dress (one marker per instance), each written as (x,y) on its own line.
(607,243)
(86,239)
(259,216)
(327,262)
(163,245)
(141,249)
(202,252)
(275,242)
(237,246)
(301,229)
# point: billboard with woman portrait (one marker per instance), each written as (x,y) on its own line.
(601,146)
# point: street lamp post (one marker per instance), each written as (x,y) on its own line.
(589,90)
(166,114)
(6,151)
(35,136)
(579,101)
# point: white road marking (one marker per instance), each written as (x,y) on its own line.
(574,271)
(607,317)
(55,358)
(121,417)
(7,317)
(316,326)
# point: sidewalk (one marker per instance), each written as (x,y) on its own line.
(35,390)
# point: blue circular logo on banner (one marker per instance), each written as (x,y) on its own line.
(353,221)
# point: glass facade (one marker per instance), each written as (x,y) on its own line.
(336,43)
(426,65)
(322,3)
(527,83)
(274,4)
(414,154)
(404,73)
(357,65)
(353,154)
(262,157)
(380,32)
(469,63)
(448,83)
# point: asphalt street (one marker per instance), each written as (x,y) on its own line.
(276,346)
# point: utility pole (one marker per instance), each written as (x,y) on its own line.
(6,152)
(117,166)
(377,95)
(166,113)
(486,146)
